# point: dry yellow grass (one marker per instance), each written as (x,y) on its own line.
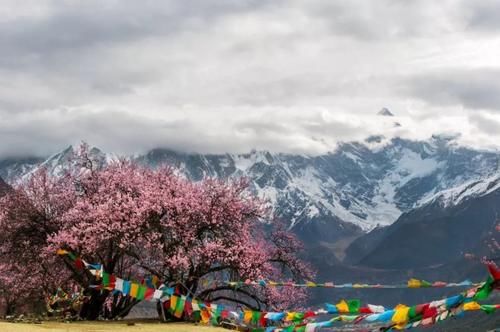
(105,327)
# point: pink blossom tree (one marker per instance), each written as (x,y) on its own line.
(28,215)
(136,220)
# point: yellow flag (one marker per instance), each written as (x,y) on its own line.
(134,289)
(342,307)
(400,317)
(155,281)
(414,283)
(471,306)
(247,316)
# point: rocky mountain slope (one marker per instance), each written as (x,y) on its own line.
(4,187)
(455,224)
(12,169)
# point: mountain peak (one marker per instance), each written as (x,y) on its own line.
(385,112)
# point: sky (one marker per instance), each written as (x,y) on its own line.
(214,76)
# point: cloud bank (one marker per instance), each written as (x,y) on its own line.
(228,76)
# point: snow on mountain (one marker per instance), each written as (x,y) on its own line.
(361,184)
(15,170)
(469,190)
(355,184)
(65,160)
(411,166)
(12,169)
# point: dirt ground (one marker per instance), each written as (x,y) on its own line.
(105,327)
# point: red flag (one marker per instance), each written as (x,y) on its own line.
(309,314)
(429,312)
(79,264)
(365,310)
(149,293)
(112,281)
(188,308)
(263,320)
(494,270)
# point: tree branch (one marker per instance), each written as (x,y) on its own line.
(236,301)
(207,292)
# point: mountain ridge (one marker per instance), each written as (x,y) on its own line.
(346,192)
(434,234)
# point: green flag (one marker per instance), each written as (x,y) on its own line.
(141,293)
(354,306)
(196,316)
(412,313)
(179,308)
(424,283)
(488,308)
(485,290)
(216,315)
(255,317)
(105,279)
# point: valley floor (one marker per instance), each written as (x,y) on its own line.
(104,327)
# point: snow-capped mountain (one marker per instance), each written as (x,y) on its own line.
(456,222)
(14,170)
(355,188)
(60,162)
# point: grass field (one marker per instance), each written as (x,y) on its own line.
(105,327)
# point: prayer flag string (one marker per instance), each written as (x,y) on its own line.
(401,317)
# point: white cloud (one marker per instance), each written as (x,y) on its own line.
(292,76)
(279,129)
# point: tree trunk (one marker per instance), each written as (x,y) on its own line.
(10,308)
(120,307)
(92,308)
